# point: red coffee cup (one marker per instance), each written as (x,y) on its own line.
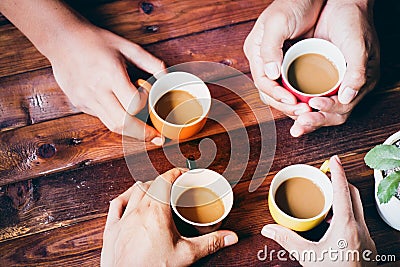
(313,46)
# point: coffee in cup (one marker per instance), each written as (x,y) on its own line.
(312,74)
(201,198)
(178,107)
(200,205)
(300,197)
(179,103)
(312,68)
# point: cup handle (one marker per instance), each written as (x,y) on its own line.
(144,84)
(325,166)
(191,163)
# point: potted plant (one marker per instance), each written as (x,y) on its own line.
(385,160)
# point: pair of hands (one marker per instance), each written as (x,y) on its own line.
(89,63)
(140,230)
(346,23)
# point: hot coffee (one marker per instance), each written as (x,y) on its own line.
(178,107)
(312,74)
(200,205)
(300,198)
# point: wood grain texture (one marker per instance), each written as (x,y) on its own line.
(33,97)
(57,218)
(82,139)
(70,221)
(93,185)
(169,19)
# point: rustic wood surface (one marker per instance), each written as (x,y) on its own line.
(59,168)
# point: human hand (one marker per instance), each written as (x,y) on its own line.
(90,68)
(140,230)
(353,33)
(282,20)
(347,231)
(349,25)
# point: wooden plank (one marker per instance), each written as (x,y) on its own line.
(169,19)
(34,97)
(83,139)
(81,241)
(78,195)
(77,245)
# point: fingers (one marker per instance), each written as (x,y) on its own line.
(287,238)
(342,206)
(330,105)
(136,196)
(298,129)
(252,48)
(311,121)
(132,100)
(141,58)
(356,56)
(357,204)
(275,33)
(114,117)
(160,189)
(117,206)
(204,245)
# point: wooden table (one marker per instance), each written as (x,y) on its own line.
(60,168)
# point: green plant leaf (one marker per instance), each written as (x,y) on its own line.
(388,186)
(383,157)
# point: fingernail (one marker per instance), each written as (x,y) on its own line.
(230,240)
(158,141)
(295,132)
(347,95)
(272,70)
(300,111)
(268,232)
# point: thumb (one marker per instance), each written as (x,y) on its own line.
(355,76)
(288,239)
(275,33)
(136,128)
(210,243)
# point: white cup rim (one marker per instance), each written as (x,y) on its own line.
(196,80)
(299,166)
(228,195)
(341,67)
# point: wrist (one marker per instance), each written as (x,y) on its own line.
(62,34)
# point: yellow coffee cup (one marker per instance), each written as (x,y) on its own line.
(185,82)
(311,173)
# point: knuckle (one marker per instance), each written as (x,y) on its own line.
(278,19)
(246,46)
(346,111)
(115,202)
(342,119)
(282,239)
(214,243)
(359,76)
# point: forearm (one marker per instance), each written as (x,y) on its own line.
(47,23)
